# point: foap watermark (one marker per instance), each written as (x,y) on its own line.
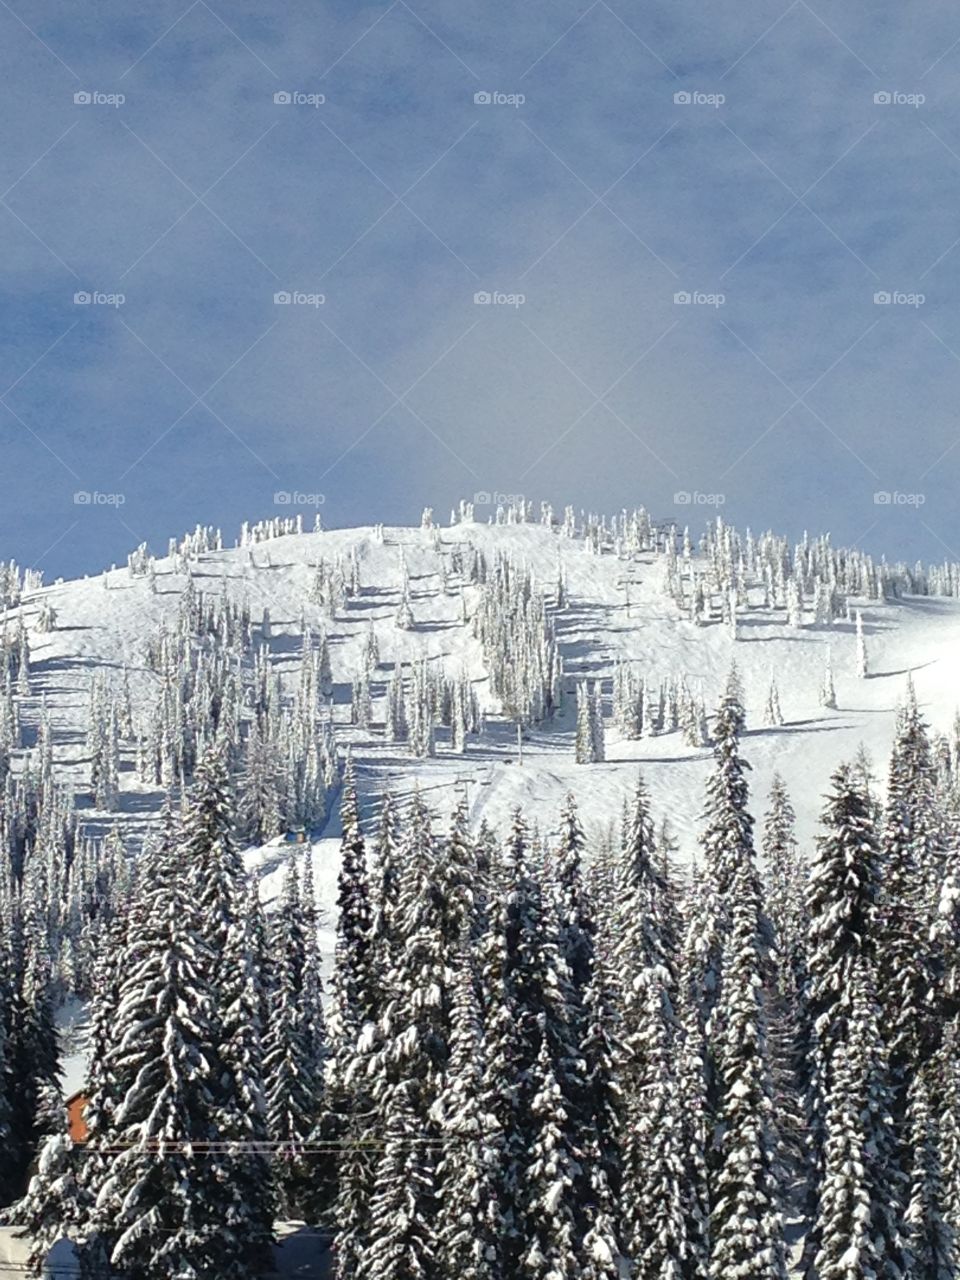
(297,298)
(698,299)
(894,98)
(686,498)
(894,498)
(94,498)
(297,98)
(94,298)
(896,298)
(696,98)
(494,98)
(294,498)
(95,98)
(483,498)
(496,299)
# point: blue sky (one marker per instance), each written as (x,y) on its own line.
(782,186)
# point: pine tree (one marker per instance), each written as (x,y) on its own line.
(386,889)
(654,1217)
(842,904)
(217,884)
(242,1119)
(692,1076)
(353,1006)
(828,694)
(589,1013)
(912,865)
(158,1205)
(56,1205)
(790,1030)
(291,1067)
(598,748)
(404,618)
(401,1239)
(772,714)
(259,808)
(353,981)
(931,1242)
(856,1231)
(746,1230)
(728,836)
(469,1226)
(862,666)
(586,741)
(524,976)
(550,1234)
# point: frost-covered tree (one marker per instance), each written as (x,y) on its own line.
(746,1223)
(772,714)
(828,694)
(550,1251)
(56,1205)
(931,1241)
(589,736)
(158,1204)
(862,666)
(912,863)
(292,1065)
(469,1225)
(856,1235)
(353,980)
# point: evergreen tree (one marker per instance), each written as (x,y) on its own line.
(728,836)
(772,714)
(401,1239)
(789,1030)
(931,1242)
(468,1228)
(158,1206)
(654,1211)
(912,864)
(291,1066)
(550,1235)
(862,667)
(56,1205)
(856,1232)
(828,694)
(353,1005)
(746,1225)
(842,903)
(353,981)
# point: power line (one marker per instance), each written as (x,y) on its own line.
(164,1146)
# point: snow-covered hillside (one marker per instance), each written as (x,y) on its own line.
(498,667)
(616,609)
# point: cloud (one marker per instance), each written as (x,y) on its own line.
(781,185)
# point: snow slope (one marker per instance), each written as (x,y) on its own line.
(104,623)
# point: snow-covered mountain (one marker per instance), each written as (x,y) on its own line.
(616,609)
(498,666)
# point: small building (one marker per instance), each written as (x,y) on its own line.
(77,1128)
(296,835)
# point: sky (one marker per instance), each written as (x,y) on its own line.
(362,259)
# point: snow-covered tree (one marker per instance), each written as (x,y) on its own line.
(828,694)
(862,666)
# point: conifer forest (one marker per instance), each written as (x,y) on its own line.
(327,986)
